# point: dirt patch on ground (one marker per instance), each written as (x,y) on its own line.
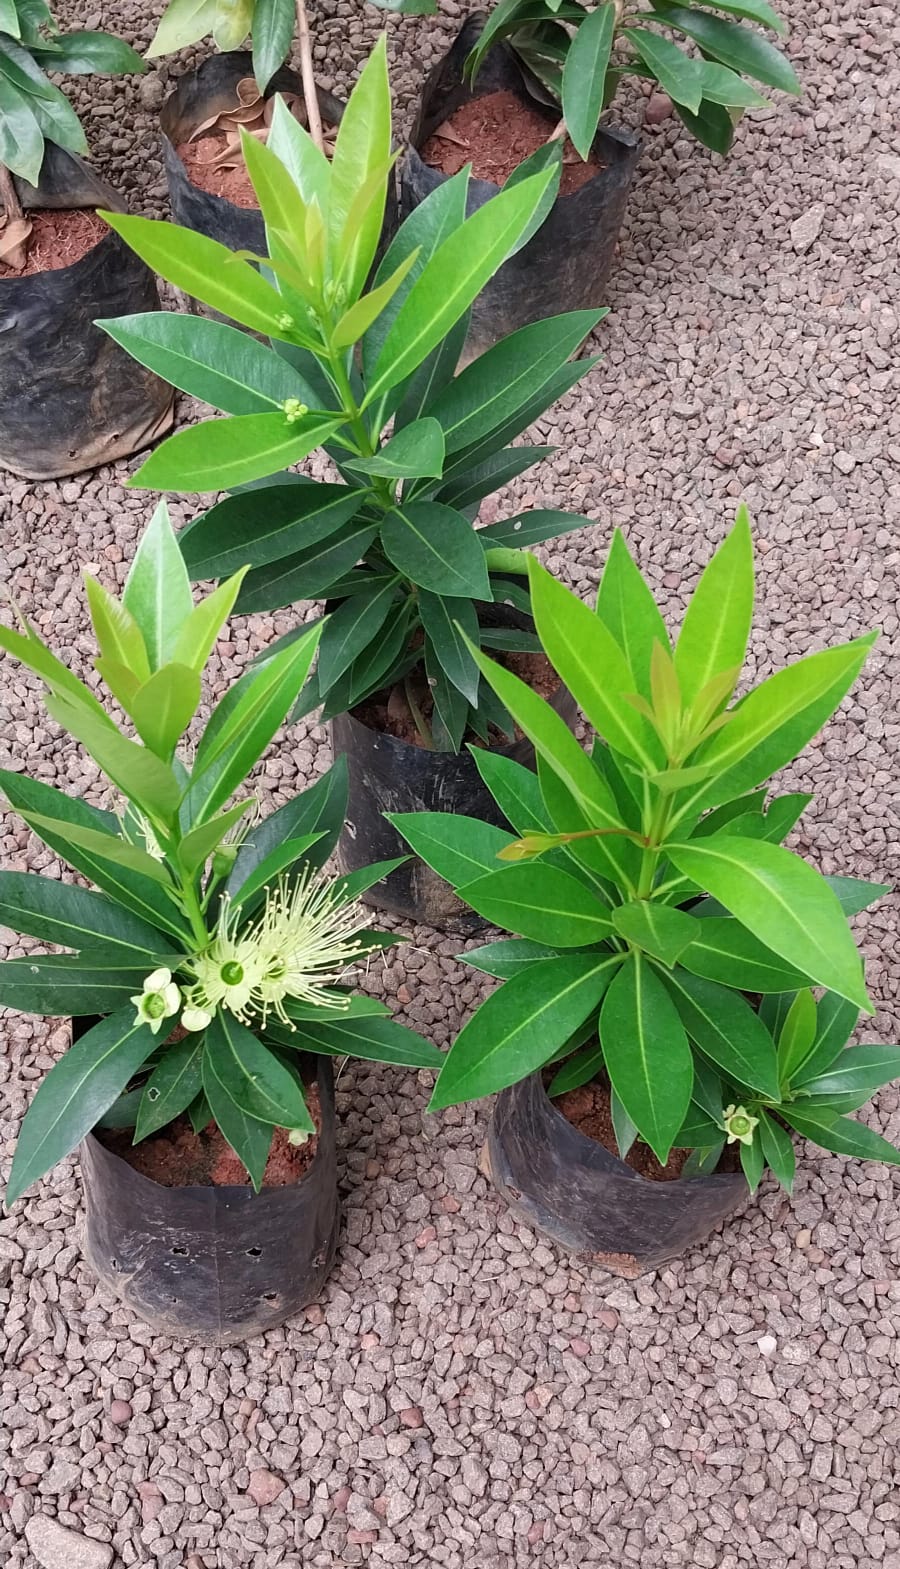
(178,1157)
(495,134)
(58,238)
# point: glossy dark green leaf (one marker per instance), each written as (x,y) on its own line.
(778,1149)
(656,928)
(840,1135)
(437,549)
(723,950)
(445,621)
(252,1077)
(509,957)
(21,138)
(854,895)
(350,629)
(318,810)
(470,487)
(540,902)
(255,529)
(678,74)
(858,1069)
(727,1031)
(712,125)
(371,1039)
(774,1009)
(580,1069)
(584,75)
(417,450)
(552,389)
(200,1113)
(86,53)
(413,395)
(172,1086)
(309,573)
(376,666)
(273,32)
(62,985)
(71,917)
(608,857)
(458,848)
(451,710)
(518,1026)
(646,1052)
(249,1138)
(229,369)
(77,1091)
(745,50)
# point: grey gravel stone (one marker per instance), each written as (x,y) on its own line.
(56,1547)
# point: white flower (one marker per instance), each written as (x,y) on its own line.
(230,971)
(739,1124)
(308,939)
(194,1019)
(158,1001)
(151,843)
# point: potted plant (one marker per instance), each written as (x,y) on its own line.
(389,544)
(533,81)
(657,1015)
(68,401)
(231,91)
(206,976)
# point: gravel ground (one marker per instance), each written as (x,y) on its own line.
(464,1395)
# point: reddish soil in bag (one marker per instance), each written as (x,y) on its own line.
(57,239)
(495,134)
(232,183)
(389,712)
(587,1108)
(177,1157)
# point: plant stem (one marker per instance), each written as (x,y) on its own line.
(310,96)
(421,722)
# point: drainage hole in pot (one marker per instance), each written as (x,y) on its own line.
(270,1296)
(254,1252)
(180,1252)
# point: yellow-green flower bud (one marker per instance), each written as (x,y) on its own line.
(739,1124)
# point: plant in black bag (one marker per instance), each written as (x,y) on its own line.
(212,946)
(666,942)
(580,55)
(33,111)
(367,374)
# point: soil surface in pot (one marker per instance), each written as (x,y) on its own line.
(230,181)
(587,1108)
(177,1157)
(495,133)
(390,712)
(58,238)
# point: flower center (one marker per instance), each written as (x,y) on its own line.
(155,1006)
(740,1125)
(232,973)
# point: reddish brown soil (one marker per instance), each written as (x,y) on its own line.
(587,1108)
(234,184)
(177,1157)
(495,134)
(390,713)
(57,240)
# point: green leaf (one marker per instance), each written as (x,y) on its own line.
(279,860)
(362,148)
(21,138)
(626,607)
(854,895)
(587,657)
(580,1069)
(647,1055)
(515,789)
(221,453)
(548,156)
(157,590)
(370,1039)
(509,957)
(36,656)
(677,73)
(713,638)
(172,1086)
(73,917)
(246,530)
(143,778)
(841,1135)
(112,847)
(797,1034)
(416,450)
(349,887)
(243,723)
(723,950)
(207,271)
(60,986)
(752,1163)
(778,1149)
(518,1026)
(466,490)
(500,382)
(584,76)
(305,162)
(861,1069)
(197,846)
(319,810)
(774,1009)
(350,629)
(355,322)
(118,635)
(437,549)
(450,280)
(836,1019)
(76,1092)
(201,629)
(659,930)
(740,47)
(784,902)
(164,706)
(530,528)
(200,1113)
(703,1162)
(183,22)
(273,32)
(754,11)
(9,21)
(727,1030)
(540,902)
(458,848)
(451,625)
(712,125)
(723,86)
(209,360)
(309,573)
(252,1077)
(81,53)
(250,1138)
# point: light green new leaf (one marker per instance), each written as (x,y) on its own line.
(221,453)
(118,635)
(197,846)
(656,928)
(798,1033)
(678,74)
(199,632)
(713,638)
(359,318)
(584,75)
(305,162)
(520,1025)
(157,590)
(143,778)
(541,902)
(587,657)
(628,610)
(75,1094)
(783,901)
(183,22)
(363,147)
(36,656)
(723,86)
(164,706)
(646,1052)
